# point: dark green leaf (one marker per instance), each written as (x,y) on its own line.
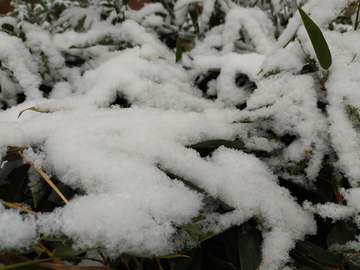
(16,178)
(237,144)
(196,260)
(42,3)
(336,236)
(321,255)
(318,41)
(194,17)
(178,49)
(172,256)
(37,14)
(299,266)
(229,239)
(65,190)
(7,27)
(249,249)
(183,263)
(212,262)
(350,230)
(323,189)
(307,69)
(353,265)
(68,251)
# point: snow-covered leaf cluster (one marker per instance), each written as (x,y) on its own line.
(124,118)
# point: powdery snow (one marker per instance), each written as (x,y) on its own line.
(118,156)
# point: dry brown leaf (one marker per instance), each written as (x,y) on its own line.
(125,259)
(43,175)
(5,259)
(14,206)
(35,109)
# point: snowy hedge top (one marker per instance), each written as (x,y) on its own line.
(121,157)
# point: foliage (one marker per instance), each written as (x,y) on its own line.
(306,149)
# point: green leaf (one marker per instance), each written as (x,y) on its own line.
(312,251)
(196,260)
(178,49)
(207,236)
(336,236)
(16,178)
(7,27)
(194,17)
(198,218)
(249,249)
(299,266)
(183,263)
(212,262)
(353,265)
(68,251)
(42,3)
(229,238)
(299,167)
(37,196)
(192,228)
(350,230)
(318,41)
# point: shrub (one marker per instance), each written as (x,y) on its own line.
(184,135)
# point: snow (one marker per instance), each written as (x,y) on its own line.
(16,57)
(117,156)
(18,232)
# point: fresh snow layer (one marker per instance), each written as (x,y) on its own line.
(117,156)
(114,155)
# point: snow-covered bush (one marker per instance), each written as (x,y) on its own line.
(145,134)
